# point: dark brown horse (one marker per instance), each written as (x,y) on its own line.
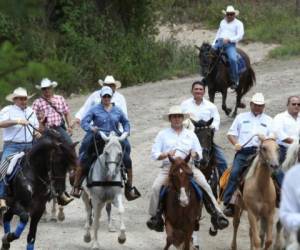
(216,74)
(182,207)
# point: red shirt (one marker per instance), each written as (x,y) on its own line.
(43,108)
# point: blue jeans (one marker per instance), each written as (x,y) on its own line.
(279,174)
(221,160)
(239,165)
(64,134)
(230,49)
(10,148)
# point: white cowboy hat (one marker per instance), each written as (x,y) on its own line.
(231,9)
(258,98)
(46,83)
(106,91)
(110,80)
(175,110)
(18,92)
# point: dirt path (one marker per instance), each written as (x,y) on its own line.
(146,104)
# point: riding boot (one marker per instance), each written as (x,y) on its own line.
(79,177)
(131,192)
(3,206)
(156,222)
(217,218)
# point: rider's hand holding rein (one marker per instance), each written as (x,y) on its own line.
(22,122)
(166,155)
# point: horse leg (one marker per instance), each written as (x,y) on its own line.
(11,236)
(269,230)
(35,218)
(61,215)
(111,227)
(89,220)
(263,230)
(169,232)
(224,106)
(97,213)
(237,104)
(211,94)
(120,206)
(53,210)
(278,244)
(254,230)
(236,222)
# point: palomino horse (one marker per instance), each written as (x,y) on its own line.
(259,196)
(208,163)
(216,74)
(41,172)
(182,207)
(105,186)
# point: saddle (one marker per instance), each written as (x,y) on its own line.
(9,167)
(241,62)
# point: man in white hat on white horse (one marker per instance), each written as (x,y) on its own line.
(52,110)
(18,122)
(117,99)
(177,141)
(230,32)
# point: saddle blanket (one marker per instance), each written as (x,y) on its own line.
(8,166)
(241,62)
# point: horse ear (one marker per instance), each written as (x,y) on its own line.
(187,158)
(210,121)
(261,137)
(171,159)
(103,136)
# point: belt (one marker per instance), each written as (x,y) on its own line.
(15,142)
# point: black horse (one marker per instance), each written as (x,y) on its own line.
(215,69)
(208,163)
(41,175)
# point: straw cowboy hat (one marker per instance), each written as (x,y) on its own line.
(258,99)
(175,110)
(18,92)
(231,9)
(46,83)
(110,80)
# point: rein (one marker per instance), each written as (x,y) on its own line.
(210,69)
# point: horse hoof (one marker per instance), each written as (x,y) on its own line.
(213,232)
(95,246)
(53,219)
(121,240)
(5,246)
(87,238)
(61,216)
(111,229)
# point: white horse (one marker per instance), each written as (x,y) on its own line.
(104,187)
(290,239)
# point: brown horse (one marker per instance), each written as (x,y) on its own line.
(182,207)
(216,74)
(259,196)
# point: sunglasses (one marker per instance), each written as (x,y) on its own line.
(230,14)
(43,89)
(295,104)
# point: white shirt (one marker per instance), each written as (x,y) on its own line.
(168,140)
(286,126)
(204,111)
(18,133)
(246,124)
(95,98)
(289,211)
(234,30)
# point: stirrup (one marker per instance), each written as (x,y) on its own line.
(131,193)
(64,199)
(76,192)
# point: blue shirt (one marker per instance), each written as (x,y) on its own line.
(106,121)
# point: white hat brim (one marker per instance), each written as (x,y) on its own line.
(11,97)
(53,85)
(237,12)
(117,83)
(166,117)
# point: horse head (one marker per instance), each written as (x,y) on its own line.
(207,57)
(269,152)
(179,176)
(292,156)
(112,156)
(205,134)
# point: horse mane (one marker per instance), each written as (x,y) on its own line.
(252,167)
(113,141)
(292,156)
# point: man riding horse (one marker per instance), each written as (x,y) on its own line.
(230,32)
(202,109)
(178,141)
(17,135)
(103,117)
(243,136)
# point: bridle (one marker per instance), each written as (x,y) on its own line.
(211,66)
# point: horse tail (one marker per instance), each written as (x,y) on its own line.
(250,80)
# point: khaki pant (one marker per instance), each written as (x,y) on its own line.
(162,179)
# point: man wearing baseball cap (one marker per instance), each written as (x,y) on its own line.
(243,136)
